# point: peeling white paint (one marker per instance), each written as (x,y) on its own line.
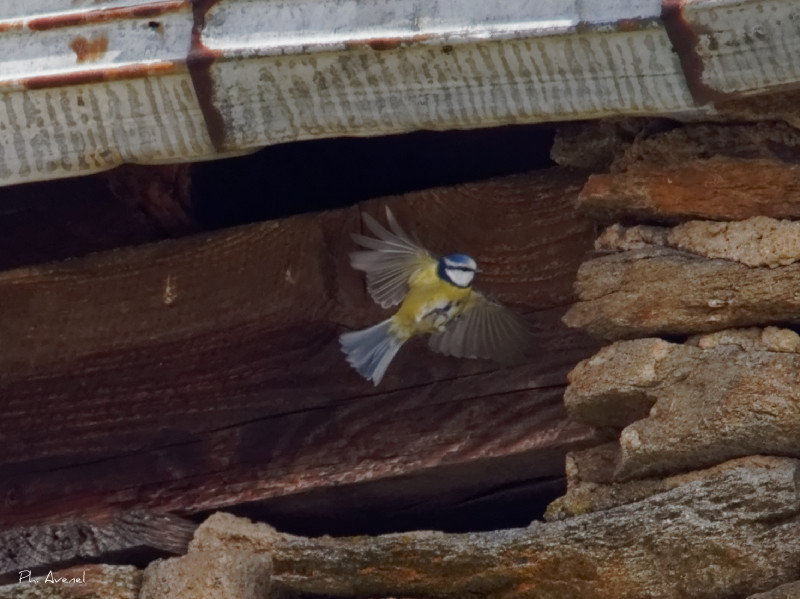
(287,70)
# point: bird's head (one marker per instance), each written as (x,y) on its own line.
(457,269)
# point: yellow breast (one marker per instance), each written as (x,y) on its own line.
(429,305)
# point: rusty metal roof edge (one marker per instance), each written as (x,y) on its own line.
(86,89)
(399,40)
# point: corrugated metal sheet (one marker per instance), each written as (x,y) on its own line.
(86,85)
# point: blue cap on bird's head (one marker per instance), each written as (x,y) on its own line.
(457,269)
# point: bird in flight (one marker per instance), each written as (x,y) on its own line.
(436,298)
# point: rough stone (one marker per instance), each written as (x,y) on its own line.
(587,496)
(790,590)
(596,144)
(96,581)
(217,565)
(705,405)
(591,485)
(222,531)
(656,291)
(617,238)
(768,139)
(719,188)
(715,171)
(773,107)
(751,339)
(594,464)
(731,532)
(757,241)
(620,381)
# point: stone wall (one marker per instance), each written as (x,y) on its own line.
(694,491)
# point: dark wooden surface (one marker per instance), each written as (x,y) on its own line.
(201,373)
(77,540)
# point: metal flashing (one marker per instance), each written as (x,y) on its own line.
(101,83)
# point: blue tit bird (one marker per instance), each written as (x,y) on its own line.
(436,298)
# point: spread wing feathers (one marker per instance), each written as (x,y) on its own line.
(390,261)
(486,329)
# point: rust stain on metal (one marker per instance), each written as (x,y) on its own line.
(199,61)
(685,38)
(156,26)
(627,25)
(136,71)
(143,11)
(380,44)
(634,24)
(89,50)
(11,26)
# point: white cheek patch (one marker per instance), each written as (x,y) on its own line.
(462,278)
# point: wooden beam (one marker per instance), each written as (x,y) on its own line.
(87,581)
(205,372)
(45,547)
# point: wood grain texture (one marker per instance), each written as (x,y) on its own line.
(194,374)
(95,581)
(77,540)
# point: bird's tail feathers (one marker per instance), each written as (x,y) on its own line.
(371,350)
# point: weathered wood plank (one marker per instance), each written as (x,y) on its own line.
(203,372)
(39,548)
(92,581)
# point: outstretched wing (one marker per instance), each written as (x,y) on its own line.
(390,261)
(485,329)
